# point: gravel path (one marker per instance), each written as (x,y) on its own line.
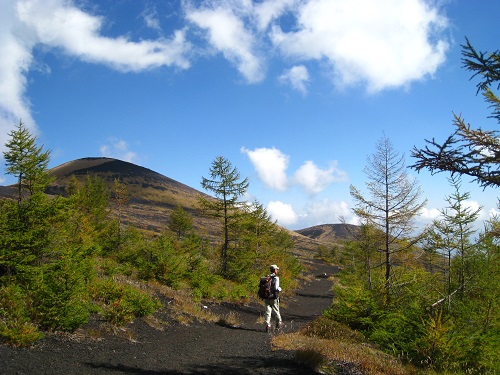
(201,348)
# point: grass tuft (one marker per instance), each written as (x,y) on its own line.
(327,346)
(230,319)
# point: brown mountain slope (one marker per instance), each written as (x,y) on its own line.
(328,233)
(152,197)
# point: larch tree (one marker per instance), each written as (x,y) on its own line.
(468,151)
(227,186)
(392,203)
(452,238)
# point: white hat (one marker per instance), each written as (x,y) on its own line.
(274,267)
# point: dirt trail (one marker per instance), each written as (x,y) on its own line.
(201,348)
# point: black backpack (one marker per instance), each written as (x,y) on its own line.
(266,288)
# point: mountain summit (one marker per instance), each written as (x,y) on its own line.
(152,196)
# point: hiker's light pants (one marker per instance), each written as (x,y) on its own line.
(272,306)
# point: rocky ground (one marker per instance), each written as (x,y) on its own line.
(200,348)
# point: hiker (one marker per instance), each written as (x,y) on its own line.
(273,304)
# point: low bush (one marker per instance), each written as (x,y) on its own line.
(119,303)
(15,325)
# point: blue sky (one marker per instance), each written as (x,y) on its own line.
(295,93)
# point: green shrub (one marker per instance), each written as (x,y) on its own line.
(60,296)
(19,333)
(141,303)
(119,304)
(15,326)
(396,332)
(353,306)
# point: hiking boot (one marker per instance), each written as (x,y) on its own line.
(268,328)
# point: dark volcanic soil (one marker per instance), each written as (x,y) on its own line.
(201,348)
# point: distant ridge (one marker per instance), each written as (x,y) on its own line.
(330,232)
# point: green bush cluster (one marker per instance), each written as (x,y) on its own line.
(456,339)
(120,303)
(15,323)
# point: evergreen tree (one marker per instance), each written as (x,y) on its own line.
(26,225)
(180,222)
(226,184)
(26,161)
(38,254)
(393,203)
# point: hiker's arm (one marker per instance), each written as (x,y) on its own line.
(277,280)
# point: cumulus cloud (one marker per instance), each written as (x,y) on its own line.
(227,33)
(326,211)
(429,214)
(59,24)
(283,213)
(56,23)
(314,179)
(271,165)
(297,77)
(268,11)
(388,44)
(118,149)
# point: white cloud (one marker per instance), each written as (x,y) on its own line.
(326,211)
(59,24)
(297,77)
(493,212)
(150,16)
(472,205)
(314,179)
(56,23)
(387,44)
(118,149)
(271,165)
(228,34)
(429,214)
(15,49)
(268,11)
(282,212)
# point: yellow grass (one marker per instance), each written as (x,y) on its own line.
(323,354)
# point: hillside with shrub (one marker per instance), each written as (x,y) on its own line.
(80,239)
